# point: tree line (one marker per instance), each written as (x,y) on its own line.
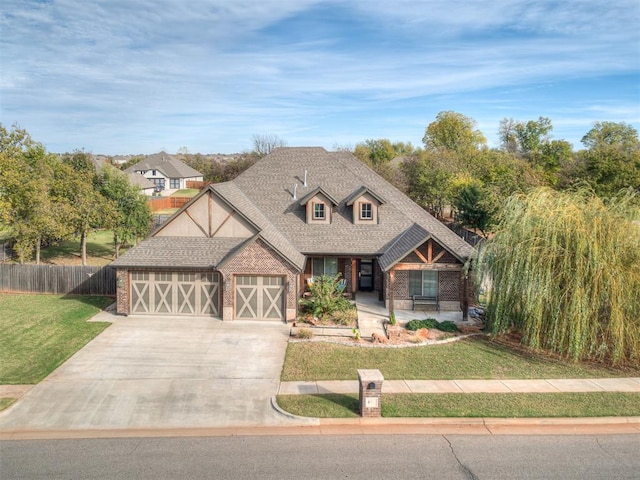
(455,168)
(46,198)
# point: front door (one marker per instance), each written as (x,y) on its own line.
(365,275)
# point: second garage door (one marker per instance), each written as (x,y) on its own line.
(174,293)
(259,298)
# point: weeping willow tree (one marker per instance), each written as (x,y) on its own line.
(564,272)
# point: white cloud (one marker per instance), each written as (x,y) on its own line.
(118,71)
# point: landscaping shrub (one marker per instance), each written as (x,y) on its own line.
(326,297)
(417,324)
(447,326)
(304,333)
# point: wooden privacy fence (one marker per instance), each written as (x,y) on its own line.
(58,279)
(197,184)
(160,203)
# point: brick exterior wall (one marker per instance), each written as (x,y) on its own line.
(122,292)
(258,259)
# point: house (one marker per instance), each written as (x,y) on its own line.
(144,184)
(245,249)
(165,172)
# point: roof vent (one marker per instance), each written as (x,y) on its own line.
(305,179)
(295,191)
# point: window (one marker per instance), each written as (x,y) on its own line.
(366,212)
(153,173)
(423,282)
(174,183)
(324,266)
(318,211)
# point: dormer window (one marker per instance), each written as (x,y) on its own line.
(318,211)
(366,211)
(365,205)
(318,206)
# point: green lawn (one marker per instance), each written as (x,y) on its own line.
(467,359)
(186,192)
(100,250)
(499,405)
(39,332)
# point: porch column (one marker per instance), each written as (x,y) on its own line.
(465,295)
(354,277)
(392,286)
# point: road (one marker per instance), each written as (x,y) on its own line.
(327,457)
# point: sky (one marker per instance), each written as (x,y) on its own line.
(140,76)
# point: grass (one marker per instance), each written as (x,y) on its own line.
(39,332)
(498,405)
(186,192)
(6,403)
(100,250)
(466,359)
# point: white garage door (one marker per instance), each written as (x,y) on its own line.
(175,293)
(259,298)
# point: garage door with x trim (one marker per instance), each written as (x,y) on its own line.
(259,298)
(174,293)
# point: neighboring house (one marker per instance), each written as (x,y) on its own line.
(165,171)
(245,249)
(145,185)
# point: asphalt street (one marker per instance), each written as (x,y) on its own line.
(548,457)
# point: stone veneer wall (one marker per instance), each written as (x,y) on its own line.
(258,259)
(122,292)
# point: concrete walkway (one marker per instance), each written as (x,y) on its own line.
(631,384)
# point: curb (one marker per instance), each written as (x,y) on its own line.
(363,426)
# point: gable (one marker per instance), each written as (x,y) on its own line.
(430,252)
(207,216)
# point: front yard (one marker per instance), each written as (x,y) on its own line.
(40,332)
(473,358)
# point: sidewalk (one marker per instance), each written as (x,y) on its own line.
(469,386)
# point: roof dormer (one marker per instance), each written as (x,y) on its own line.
(366,204)
(319,206)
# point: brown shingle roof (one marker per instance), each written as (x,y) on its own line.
(179,252)
(269,182)
(170,166)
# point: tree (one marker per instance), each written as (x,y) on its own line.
(563,271)
(524,138)
(32,216)
(75,183)
(132,218)
(265,144)
(375,152)
(453,131)
(427,179)
(612,159)
(473,206)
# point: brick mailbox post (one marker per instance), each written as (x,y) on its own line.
(370,392)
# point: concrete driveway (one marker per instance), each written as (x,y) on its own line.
(145,372)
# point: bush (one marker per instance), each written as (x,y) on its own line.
(447,326)
(304,333)
(326,297)
(417,324)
